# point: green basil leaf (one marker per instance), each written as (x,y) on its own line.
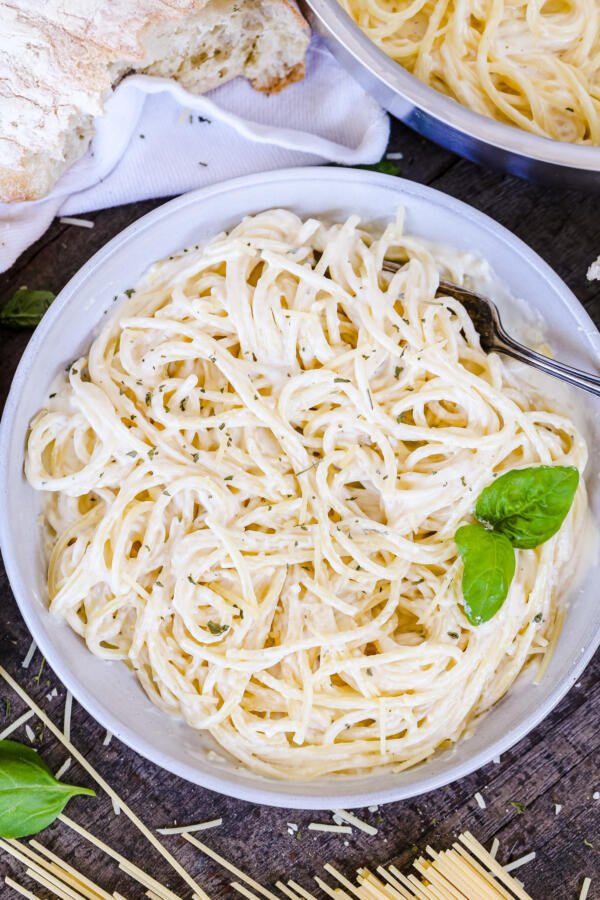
(30,796)
(489,565)
(528,505)
(385,165)
(25,308)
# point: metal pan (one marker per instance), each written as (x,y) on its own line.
(445,121)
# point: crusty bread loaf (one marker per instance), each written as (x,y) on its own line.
(60,59)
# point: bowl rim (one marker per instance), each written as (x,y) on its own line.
(265,791)
(508,138)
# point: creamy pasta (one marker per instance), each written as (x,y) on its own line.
(530,63)
(253,481)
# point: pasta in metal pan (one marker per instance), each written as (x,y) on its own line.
(530,63)
(253,481)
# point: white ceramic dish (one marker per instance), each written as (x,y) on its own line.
(108,690)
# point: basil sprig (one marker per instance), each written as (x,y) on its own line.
(25,308)
(385,165)
(30,796)
(489,565)
(528,505)
(523,508)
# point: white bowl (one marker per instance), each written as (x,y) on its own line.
(108,690)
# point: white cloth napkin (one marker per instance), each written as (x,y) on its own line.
(156,139)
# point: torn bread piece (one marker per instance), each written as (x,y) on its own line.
(60,60)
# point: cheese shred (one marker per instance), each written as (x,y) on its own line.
(29,655)
(521,861)
(353,820)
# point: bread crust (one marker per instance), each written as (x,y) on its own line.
(63,58)
(15,186)
(296,73)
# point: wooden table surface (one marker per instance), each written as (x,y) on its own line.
(556,764)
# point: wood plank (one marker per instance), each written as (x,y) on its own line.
(557,762)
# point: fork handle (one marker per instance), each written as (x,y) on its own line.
(584,380)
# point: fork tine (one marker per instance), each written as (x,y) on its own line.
(492,335)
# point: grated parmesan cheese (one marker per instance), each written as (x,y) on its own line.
(81,223)
(30,734)
(67,718)
(353,820)
(521,861)
(480,801)
(65,766)
(596,795)
(107,738)
(557,808)
(29,655)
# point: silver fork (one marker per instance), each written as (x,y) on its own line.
(486,319)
